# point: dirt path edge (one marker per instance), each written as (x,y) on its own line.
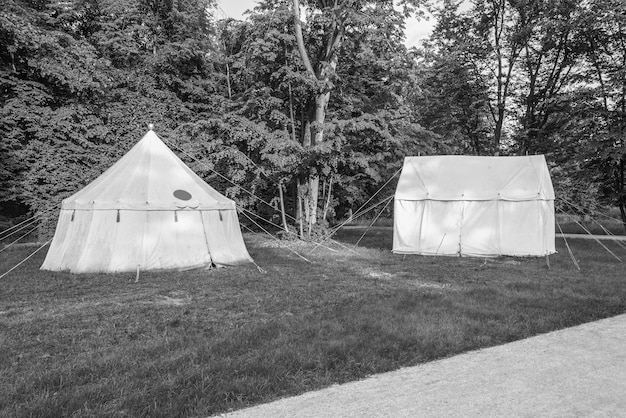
(578,371)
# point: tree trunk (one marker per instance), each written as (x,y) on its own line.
(282,207)
(314,187)
(300,204)
(324,69)
(317,134)
(619,185)
(497,137)
(620,192)
(308,185)
(230,93)
(328,196)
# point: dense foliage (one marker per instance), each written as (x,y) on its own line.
(332,118)
(533,76)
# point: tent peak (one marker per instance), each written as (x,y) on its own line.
(150,126)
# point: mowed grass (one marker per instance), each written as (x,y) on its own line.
(198,343)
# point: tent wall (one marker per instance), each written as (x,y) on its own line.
(474,228)
(100,241)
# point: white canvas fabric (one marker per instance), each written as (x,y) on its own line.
(148,211)
(474,206)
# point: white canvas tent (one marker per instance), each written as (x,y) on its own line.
(474,206)
(148,211)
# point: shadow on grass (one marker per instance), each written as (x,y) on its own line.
(377,237)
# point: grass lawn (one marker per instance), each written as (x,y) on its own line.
(198,343)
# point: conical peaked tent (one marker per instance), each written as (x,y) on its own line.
(149,211)
(474,206)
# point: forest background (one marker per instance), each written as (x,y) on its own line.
(323,107)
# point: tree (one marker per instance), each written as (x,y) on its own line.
(330,23)
(258,60)
(603,100)
(370,124)
(365,125)
(452,99)
(488,39)
(49,81)
(551,62)
(81,80)
(496,44)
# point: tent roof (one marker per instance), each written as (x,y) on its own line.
(456,177)
(148,177)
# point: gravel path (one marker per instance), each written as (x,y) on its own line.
(575,372)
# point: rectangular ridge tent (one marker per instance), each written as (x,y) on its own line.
(474,206)
(148,211)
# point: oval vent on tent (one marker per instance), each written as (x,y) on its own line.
(182,194)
